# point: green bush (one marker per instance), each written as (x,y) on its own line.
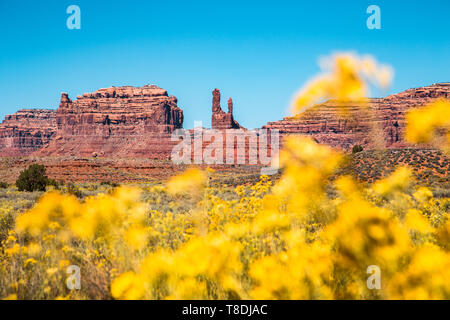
(109,183)
(55,184)
(3,185)
(72,189)
(357,148)
(33,179)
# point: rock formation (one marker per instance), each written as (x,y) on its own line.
(137,122)
(228,142)
(26,131)
(220,119)
(380,124)
(116,122)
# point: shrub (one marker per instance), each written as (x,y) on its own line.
(33,179)
(109,183)
(72,189)
(357,148)
(3,185)
(54,183)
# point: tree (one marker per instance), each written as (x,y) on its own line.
(33,179)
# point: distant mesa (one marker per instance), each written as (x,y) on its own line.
(116,122)
(26,131)
(137,122)
(380,125)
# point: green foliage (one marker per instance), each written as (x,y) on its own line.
(357,148)
(72,189)
(33,179)
(109,183)
(3,185)
(54,183)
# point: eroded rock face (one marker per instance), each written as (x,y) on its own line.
(118,121)
(26,131)
(379,125)
(220,119)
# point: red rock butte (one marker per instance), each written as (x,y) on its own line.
(137,122)
(116,122)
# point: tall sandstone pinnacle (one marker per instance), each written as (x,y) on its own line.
(116,122)
(220,119)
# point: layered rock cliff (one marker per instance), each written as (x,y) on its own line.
(379,124)
(26,131)
(118,121)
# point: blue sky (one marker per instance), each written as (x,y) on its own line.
(257,52)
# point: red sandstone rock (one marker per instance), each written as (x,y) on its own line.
(126,122)
(26,131)
(117,121)
(379,125)
(219,119)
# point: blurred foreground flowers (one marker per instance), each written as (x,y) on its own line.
(291,240)
(344,79)
(426,124)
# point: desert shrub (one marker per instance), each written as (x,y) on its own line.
(357,148)
(441,193)
(55,184)
(72,189)
(33,179)
(109,183)
(3,185)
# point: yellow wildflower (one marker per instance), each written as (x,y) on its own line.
(343,79)
(192,180)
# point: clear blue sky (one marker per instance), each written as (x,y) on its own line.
(257,52)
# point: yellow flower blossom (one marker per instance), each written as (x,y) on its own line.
(30,261)
(422,123)
(399,180)
(415,220)
(343,79)
(127,286)
(192,181)
(136,237)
